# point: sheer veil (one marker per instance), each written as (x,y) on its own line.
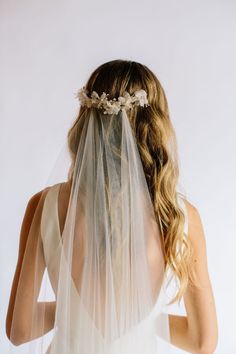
(98,287)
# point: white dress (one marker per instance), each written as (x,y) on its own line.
(155,326)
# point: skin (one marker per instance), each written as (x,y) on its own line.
(18,325)
(196,333)
(25,306)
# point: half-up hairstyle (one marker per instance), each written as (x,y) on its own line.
(156,141)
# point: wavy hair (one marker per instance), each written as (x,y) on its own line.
(156,141)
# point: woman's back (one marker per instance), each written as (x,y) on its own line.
(54,214)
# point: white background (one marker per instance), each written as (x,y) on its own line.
(48,50)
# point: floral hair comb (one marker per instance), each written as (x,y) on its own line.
(112,106)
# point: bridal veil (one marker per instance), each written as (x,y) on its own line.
(98,288)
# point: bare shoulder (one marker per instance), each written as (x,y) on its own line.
(195,226)
(36,199)
(197,237)
(191,209)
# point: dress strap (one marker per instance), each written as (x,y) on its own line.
(49,219)
(50,234)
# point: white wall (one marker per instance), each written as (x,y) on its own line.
(48,49)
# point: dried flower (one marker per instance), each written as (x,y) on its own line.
(112,106)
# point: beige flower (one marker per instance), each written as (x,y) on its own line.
(141,97)
(112,106)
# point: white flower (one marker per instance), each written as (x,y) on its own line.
(111,107)
(141,96)
(126,100)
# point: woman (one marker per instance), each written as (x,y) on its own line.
(109,235)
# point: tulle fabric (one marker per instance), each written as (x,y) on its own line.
(97,286)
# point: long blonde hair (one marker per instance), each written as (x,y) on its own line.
(157,145)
